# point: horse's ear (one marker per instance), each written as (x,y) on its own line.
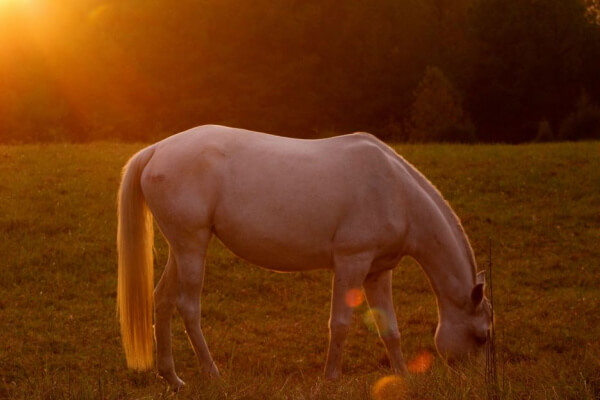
(480,277)
(477,292)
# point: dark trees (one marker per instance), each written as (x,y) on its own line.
(140,70)
(531,61)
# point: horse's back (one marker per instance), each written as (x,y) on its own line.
(280,202)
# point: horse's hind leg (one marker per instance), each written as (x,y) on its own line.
(164,299)
(189,256)
(378,289)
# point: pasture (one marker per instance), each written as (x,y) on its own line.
(59,335)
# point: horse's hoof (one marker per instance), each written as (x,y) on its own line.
(172,380)
(401,370)
(214,372)
(178,385)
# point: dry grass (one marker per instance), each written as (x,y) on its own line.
(59,337)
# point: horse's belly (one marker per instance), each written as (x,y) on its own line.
(273,253)
(282,241)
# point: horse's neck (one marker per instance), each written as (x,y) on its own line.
(446,265)
(441,247)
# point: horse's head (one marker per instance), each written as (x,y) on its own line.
(463,332)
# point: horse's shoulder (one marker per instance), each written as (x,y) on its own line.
(366,147)
(359,137)
(356,140)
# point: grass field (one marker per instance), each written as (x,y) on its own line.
(59,338)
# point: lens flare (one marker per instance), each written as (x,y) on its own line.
(354,298)
(391,387)
(376,319)
(421,363)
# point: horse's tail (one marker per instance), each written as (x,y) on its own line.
(135,240)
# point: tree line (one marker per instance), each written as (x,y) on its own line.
(409,70)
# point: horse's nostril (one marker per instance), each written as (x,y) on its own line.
(481,340)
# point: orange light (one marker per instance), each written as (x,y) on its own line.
(421,363)
(391,387)
(354,298)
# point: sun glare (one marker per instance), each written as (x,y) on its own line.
(12,3)
(19,9)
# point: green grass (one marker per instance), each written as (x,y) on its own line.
(59,338)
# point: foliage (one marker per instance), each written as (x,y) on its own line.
(87,70)
(437,114)
(530,61)
(583,123)
(268,332)
(545,133)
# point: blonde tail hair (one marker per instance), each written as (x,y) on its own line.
(135,240)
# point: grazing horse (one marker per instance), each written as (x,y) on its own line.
(350,204)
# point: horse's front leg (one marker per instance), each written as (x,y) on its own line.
(164,301)
(378,289)
(350,272)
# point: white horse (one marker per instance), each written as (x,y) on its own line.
(350,204)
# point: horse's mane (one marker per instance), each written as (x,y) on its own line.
(449,214)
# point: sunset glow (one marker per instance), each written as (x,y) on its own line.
(300,199)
